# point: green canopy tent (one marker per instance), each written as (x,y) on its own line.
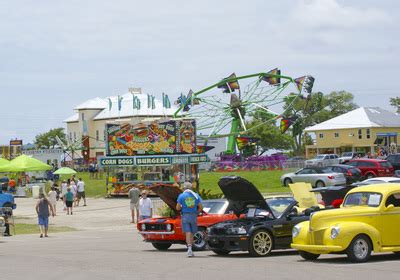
(23,163)
(3,162)
(65,171)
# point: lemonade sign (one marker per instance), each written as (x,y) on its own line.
(169,137)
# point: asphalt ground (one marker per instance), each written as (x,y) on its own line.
(108,247)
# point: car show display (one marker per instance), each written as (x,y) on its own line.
(366,222)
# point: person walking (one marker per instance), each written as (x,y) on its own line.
(134,195)
(53,199)
(74,190)
(69,200)
(43,210)
(81,192)
(145,207)
(64,187)
(189,203)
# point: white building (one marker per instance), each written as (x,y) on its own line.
(87,125)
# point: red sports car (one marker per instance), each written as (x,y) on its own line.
(162,232)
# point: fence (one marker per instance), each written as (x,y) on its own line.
(272,164)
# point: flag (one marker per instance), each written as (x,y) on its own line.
(133,101)
(305,83)
(201,149)
(120,102)
(167,103)
(271,78)
(136,103)
(299,83)
(109,104)
(243,141)
(148,101)
(190,97)
(286,123)
(153,103)
(230,86)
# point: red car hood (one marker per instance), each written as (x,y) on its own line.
(168,193)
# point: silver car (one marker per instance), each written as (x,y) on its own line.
(317,177)
(323,160)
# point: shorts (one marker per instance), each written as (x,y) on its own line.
(81,195)
(68,203)
(189,222)
(135,206)
(43,221)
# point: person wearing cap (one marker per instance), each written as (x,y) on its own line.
(145,207)
(189,203)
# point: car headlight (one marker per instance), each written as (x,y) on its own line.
(143,227)
(296,231)
(236,230)
(168,227)
(335,232)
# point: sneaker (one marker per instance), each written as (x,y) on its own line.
(190,253)
(41,236)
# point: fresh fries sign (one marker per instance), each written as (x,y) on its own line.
(157,138)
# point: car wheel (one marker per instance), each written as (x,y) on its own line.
(319,184)
(161,246)
(221,252)
(261,243)
(369,176)
(360,249)
(200,240)
(287,181)
(308,256)
(397,253)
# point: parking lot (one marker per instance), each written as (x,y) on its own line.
(108,247)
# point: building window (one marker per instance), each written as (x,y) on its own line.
(70,136)
(83,116)
(97,135)
(336,134)
(74,136)
(321,135)
(360,134)
(368,133)
(104,135)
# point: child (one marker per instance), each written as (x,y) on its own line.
(53,199)
(69,200)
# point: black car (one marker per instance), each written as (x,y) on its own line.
(352,174)
(394,160)
(267,226)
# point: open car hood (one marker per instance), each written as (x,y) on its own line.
(168,193)
(241,193)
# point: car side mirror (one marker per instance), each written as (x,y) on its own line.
(389,207)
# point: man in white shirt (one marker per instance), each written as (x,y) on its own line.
(145,207)
(81,192)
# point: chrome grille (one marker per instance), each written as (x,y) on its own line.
(318,237)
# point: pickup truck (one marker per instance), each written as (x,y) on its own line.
(7,200)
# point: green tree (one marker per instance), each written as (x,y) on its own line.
(395,101)
(314,110)
(48,140)
(263,126)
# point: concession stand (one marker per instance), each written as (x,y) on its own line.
(143,155)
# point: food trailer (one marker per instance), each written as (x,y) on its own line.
(142,155)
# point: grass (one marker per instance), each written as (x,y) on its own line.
(33,228)
(267,181)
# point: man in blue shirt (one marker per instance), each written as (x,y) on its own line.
(189,203)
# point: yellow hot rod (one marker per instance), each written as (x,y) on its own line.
(368,220)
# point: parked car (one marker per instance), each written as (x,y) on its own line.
(294,162)
(354,230)
(347,156)
(267,224)
(378,180)
(394,161)
(351,173)
(317,177)
(323,160)
(162,232)
(373,167)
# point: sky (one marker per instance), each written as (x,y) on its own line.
(55,55)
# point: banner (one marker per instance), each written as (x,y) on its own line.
(157,138)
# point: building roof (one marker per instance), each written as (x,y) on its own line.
(363,117)
(127,109)
(91,104)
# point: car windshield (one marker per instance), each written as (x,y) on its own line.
(279,205)
(214,207)
(385,164)
(363,199)
(320,157)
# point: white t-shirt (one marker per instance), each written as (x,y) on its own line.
(64,188)
(53,197)
(81,186)
(145,206)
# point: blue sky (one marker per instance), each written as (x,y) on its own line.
(57,54)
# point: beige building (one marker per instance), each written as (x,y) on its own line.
(366,129)
(86,128)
